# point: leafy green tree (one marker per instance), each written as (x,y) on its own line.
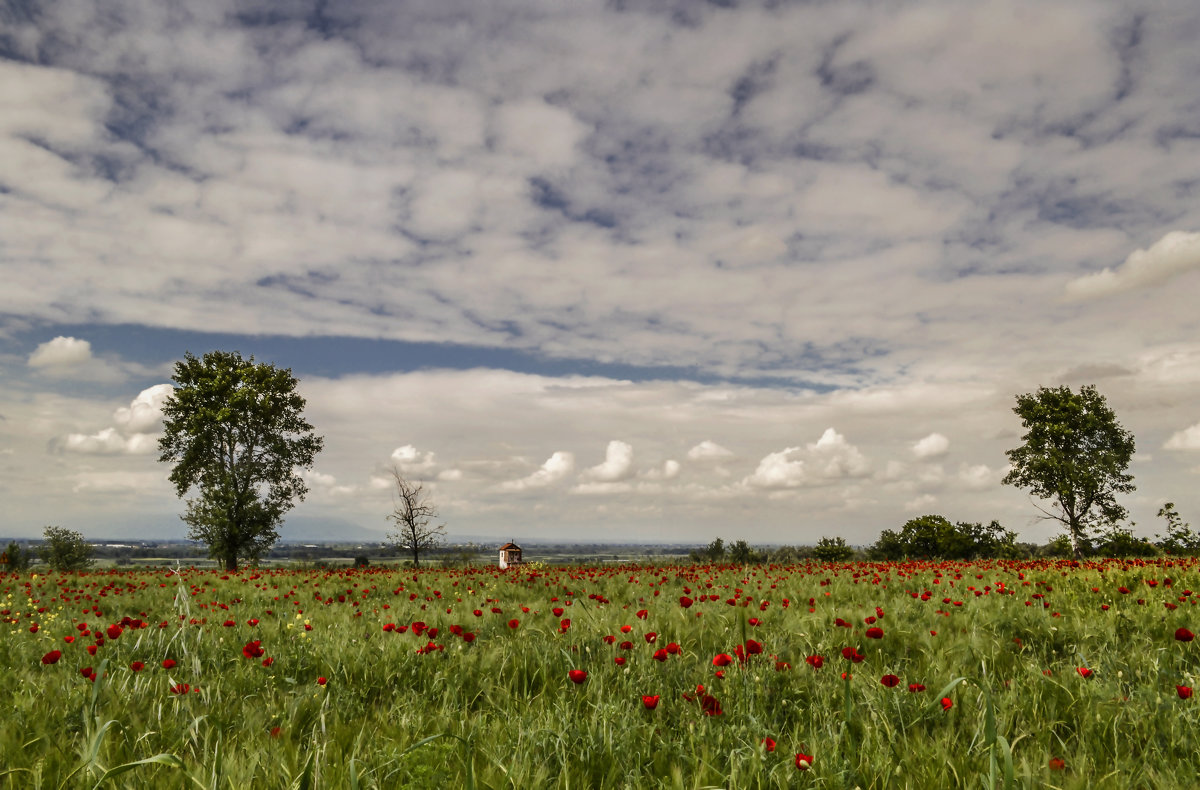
(18,560)
(935,536)
(1074,454)
(1180,539)
(66,550)
(741,553)
(237,435)
(833,550)
(992,541)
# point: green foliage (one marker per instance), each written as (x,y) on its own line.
(742,553)
(18,560)
(236,434)
(66,550)
(1074,454)
(934,536)
(833,550)
(715,552)
(1180,540)
(1117,541)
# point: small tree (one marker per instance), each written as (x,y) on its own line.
(1180,539)
(66,550)
(833,550)
(237,434)
(1075,454)
(18,560)
(414,515)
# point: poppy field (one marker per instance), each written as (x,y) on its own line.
(872,675)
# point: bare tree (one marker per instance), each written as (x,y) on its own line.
(414,515)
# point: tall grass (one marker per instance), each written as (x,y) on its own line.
(501,711)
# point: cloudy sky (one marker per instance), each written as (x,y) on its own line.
(601,270)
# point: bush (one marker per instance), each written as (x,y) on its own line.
(66,550)
(18,560)
(833,550)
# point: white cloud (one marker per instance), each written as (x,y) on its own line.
(557,467)
(110,442)
(977,477)
(144,413)
(617,465)
(708,450)
(932,446)
(413,461)
(61,352)
(1187,439)
(828,459)
(118,482)
(921,503)
(450,475)
(1172,255)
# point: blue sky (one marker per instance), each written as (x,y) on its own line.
(628,270)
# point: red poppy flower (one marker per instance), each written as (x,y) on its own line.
(168,663)
(891,681)
(610,639)
(180,688)
(1057,764)
(626,645)
(478,613)
(91,650)
(915,687)
(564,624)
(947,703)
(321,681)
(86,672)
(769,744)
(227,624)
(619,661)
(137,666)
(661,654)
(650,702)
(722,660)
(651,638)
(804,761)
(674,649)
(514,623)
(253,649)
(1184,692)
(114,631)
(52,657)
(852,654)
(875,633)
(577,676)
(710,705)
(468,637)
(816,662)
(268,661)
(626,629)
(642,614)
(684,601)
(558,611)
(1184,635)
(753,648)
(1084,672)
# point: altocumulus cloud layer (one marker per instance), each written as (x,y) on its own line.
(825,243)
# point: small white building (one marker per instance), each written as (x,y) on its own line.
(510,554)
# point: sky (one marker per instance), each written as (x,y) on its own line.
(630,271)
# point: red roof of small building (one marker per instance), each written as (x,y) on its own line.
(508,546)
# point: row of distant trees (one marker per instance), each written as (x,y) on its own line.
(936,537)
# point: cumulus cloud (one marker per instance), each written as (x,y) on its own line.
(412,461)
(828,459)
(977,477)
(144,413)
(932,446)
(708,451)
(556,467)
(131,435)
(60,352)
(617,465)
(1187,439)
(669,471)
(110,442)
(1172,255)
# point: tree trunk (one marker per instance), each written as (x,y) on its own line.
(416,557)
(231,562)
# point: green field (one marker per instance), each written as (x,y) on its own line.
(1027,674)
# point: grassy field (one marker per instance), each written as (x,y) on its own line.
(872,675)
